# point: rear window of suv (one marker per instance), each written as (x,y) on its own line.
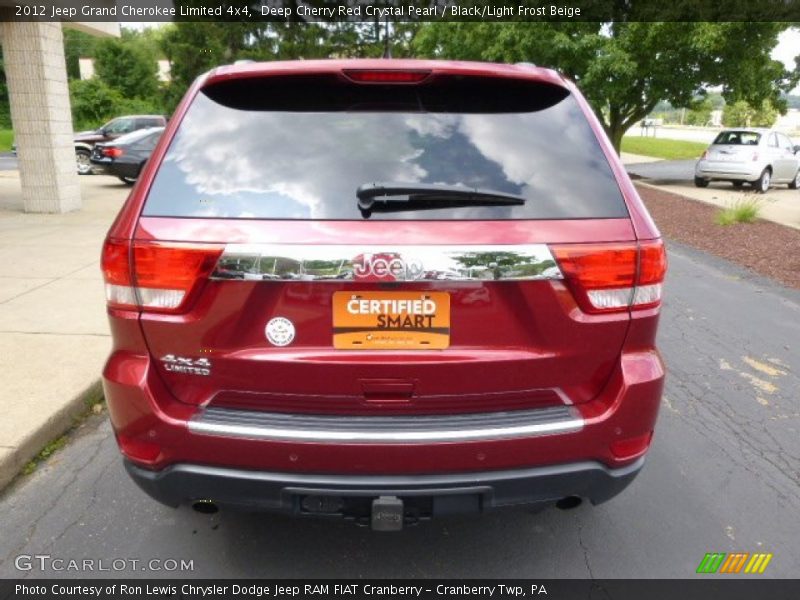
(300,147)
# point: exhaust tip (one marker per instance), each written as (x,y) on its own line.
(206,507)
(569,503)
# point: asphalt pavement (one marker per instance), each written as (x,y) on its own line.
(722,476)
(8,162)
(664,171)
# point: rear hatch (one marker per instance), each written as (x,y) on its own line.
(734,147)
(270,289)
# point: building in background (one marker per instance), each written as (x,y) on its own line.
(86,67)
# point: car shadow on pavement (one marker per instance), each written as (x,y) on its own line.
(111,182)
(493,545)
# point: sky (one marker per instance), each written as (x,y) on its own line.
(788,47)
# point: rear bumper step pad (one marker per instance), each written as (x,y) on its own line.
(386,429)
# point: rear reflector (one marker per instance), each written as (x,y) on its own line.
(164,276)
(631,447)
(386,76)
(613,277)
(138,450)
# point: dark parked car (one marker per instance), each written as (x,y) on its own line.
(383,290)
(125,156)
(85,141)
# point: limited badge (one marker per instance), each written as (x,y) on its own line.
(279,331)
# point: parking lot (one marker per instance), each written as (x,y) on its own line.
(8,162)
(779,204)
(723,476)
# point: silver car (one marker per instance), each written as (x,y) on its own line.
(760,157)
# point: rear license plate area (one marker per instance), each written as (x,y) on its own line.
(367,320)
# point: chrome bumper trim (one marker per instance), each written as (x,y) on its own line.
(399,429)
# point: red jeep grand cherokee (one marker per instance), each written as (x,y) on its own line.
(384,290)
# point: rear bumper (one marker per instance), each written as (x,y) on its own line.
(452,493)
(100,166)
(178,452)
(114,168)
(733,171)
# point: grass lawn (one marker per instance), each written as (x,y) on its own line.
(6,136)
(663,148)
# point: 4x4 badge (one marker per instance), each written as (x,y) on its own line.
(189,366)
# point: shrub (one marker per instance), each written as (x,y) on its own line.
(742,114)
(139,106)
(93,103)
(126,67)
(741,211)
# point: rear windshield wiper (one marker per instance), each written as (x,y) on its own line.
(393,197)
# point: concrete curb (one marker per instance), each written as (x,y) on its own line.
(13,460)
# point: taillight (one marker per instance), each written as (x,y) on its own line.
(113,152)
(652,269)
(115,264)
(138,450)
(631,447)
(614,277)
(163,277)
(386,75)
(704,155)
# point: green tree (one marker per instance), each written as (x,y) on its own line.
(700,112)
(766,115)
(742,114)
(77,45)
(737,114)
(195,47)
(191,49)
(5,106)
(93,103)
(626,68)
(127,67)
(148,40)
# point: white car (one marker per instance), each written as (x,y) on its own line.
(760,157)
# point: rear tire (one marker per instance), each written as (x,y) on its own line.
(795,183)
(82,161)
(700,182)
(132,180)
(762,183)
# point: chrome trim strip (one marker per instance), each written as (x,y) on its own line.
(568,422)
(314,262)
